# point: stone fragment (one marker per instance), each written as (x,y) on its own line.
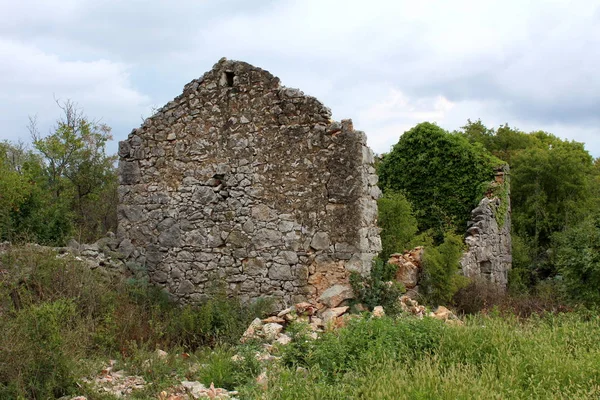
(305,308)
(320,241)
(378,312)
(271,330)
(274,319)
(335,295)
(252,331)
(443,314)
(330,314)
(283,339)
(286,311)
(161,354)
(409,267)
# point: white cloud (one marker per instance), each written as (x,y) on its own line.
(388,63)
(387,119)
(32,78)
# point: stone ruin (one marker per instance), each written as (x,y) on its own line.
(488,256)
(489,253)
(242,182)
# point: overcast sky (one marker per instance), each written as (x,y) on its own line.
(386,64)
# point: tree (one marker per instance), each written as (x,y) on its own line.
(398,224)
(578,260)
(442,175)
(78,173)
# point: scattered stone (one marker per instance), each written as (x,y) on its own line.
(251,333)
(161,354)
(262,380)
(116,383)
(283,339)
(198,390)
(286,311)
(274,319)
(409,267)
(305,308)
(378,312)
(335,295)
(443,314)
(330,314)
(271,330)
(411,306)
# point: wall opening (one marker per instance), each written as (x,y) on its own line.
(229,77)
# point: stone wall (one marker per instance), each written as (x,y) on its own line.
(242,181)
(489,254)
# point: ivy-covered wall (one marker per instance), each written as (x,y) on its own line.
(488,236)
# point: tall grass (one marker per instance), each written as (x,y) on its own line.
(56,311)
(491,357)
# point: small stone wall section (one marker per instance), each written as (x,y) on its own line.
(489,254)
(244,182)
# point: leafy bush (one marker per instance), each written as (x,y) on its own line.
(397,222)
(440,278)
(379,288)
(440,173)
(219,320)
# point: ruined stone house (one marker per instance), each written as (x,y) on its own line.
(242,182)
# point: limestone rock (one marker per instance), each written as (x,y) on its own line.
(378,312)
(409,267)
(335,295)
(272,330)
(330,314)
(252,331)
(283,339)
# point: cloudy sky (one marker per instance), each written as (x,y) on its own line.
(386,64)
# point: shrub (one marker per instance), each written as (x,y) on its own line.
(479,294)
(54,311)
(219,320)
(364,343)
(379,288)
(397,222)
(34,361)
(440,278)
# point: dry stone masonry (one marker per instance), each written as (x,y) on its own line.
(489,254)
(243,181)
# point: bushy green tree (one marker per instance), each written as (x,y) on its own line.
(398,224)
(441,173)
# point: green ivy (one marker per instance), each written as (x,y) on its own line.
(440,173)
